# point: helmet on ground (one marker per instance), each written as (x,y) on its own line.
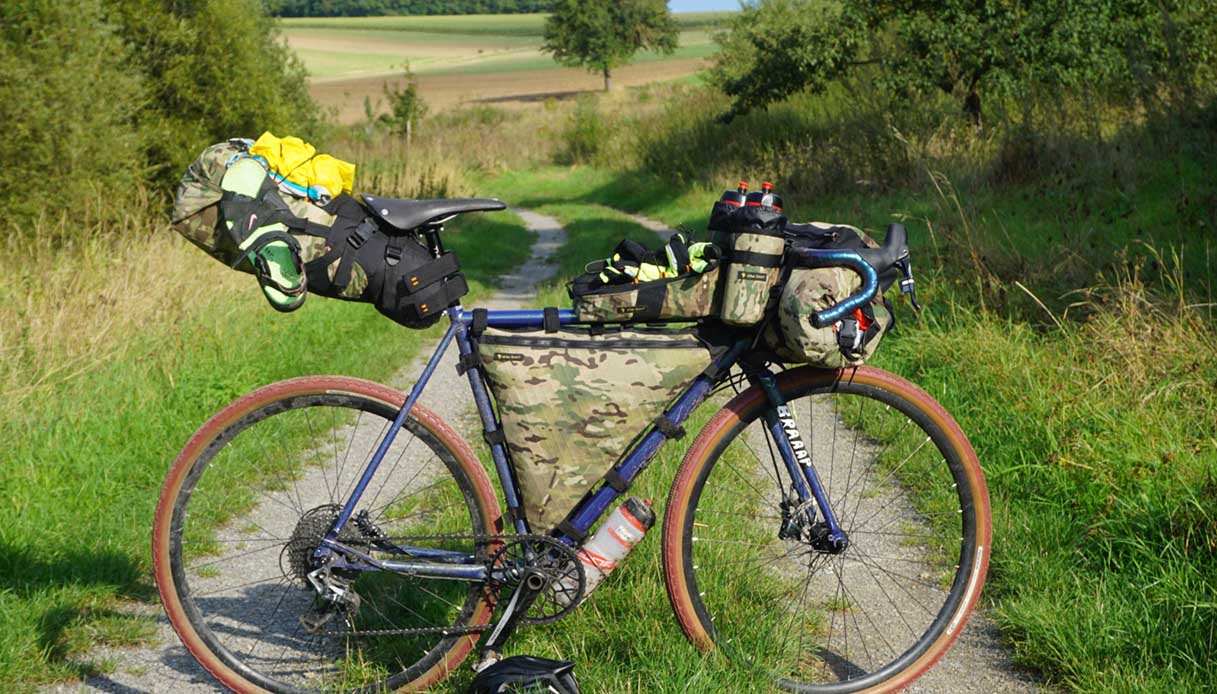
(526,674)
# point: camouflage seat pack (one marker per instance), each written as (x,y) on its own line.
(339,250)
(571,401)
(852,340)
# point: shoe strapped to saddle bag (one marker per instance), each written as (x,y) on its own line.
(852,340)
(235,207)
(677,282)
(749,230)
(572,399)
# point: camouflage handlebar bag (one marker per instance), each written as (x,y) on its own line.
(851,341)
(571,401)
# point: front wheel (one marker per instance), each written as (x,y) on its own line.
(251,496)
(748,573)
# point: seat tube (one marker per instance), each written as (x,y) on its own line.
(795,453)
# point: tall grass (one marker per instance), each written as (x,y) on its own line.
(117,344)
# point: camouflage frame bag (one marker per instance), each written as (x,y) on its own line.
(851,341)
(571,401)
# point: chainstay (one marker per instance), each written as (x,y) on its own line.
(446,631)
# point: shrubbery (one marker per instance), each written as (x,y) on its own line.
(101,97)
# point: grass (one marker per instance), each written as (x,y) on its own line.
(1095,435)
(89,445)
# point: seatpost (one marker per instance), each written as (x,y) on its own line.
(432,231)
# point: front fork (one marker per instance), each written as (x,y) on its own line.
(799,514)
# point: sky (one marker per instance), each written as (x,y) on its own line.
(702,5)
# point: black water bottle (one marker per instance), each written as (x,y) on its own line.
(765,197)
(728,203)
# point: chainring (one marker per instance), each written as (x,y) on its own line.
(565,578)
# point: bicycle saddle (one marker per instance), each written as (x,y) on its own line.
(526,673)
(405,215)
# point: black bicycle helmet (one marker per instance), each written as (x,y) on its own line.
(526,674)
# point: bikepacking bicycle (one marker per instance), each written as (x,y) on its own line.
(828,527)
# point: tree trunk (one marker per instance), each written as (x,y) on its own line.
(608,79)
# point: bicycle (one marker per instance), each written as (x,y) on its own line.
(303,542)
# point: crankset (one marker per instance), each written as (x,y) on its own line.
(543,565)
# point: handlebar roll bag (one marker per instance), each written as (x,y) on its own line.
(571,401)
(852,340)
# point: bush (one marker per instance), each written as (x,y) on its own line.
(585,134)
(102,96)
(67,102)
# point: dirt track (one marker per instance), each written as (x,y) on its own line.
(499,88)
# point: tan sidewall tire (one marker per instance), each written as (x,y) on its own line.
(722,423)
(487,503)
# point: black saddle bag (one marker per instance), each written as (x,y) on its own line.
(395,272)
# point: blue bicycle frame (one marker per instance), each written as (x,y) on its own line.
(437,563)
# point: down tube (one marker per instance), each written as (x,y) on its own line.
(592,508)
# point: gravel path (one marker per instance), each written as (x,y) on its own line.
(885,591)
(977,663)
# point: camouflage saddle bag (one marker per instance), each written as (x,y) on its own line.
(851,341)
(573,399)
(339,250)
(678,282)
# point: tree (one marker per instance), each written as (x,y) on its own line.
(603,34)
(968,49)
(406,106)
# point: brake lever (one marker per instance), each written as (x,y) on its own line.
(906,285)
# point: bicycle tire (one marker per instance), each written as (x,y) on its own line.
(717,609)
(217,625)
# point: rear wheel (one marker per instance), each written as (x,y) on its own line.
(250,497)
(747,575)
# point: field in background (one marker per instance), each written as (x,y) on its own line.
(466,59)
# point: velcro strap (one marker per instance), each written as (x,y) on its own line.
(614,479)
(495,438)
(569,530)
(550,319)
(760,259)
(481,318)
(712,372)
(467,361)
(650,301)
(668,428)
(431,272)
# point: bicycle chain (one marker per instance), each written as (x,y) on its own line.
(446,631)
